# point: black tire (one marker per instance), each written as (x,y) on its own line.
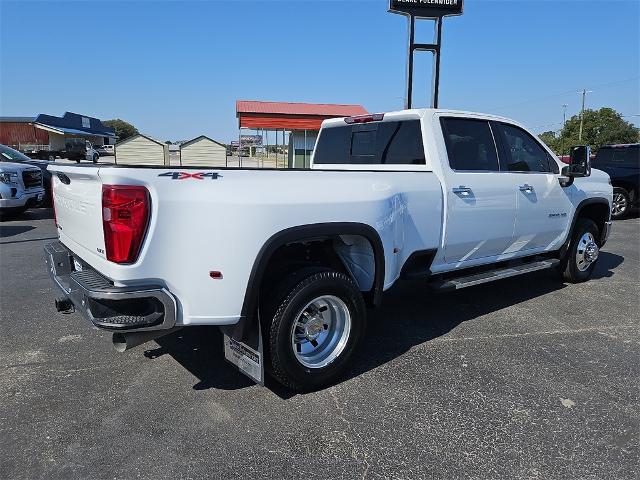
(289,299)
(621,203)
(95,158)
(571,271)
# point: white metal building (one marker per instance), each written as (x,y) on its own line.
(142,150)
(301,145)
(203,151)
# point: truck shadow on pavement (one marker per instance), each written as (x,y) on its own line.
(410,315)
(12,230)
(200,351)
(41,213)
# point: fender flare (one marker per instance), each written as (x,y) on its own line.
(584,203)
(307,233)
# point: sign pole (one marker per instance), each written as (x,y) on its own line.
(436,62)
(425,47)
(412,32)
(430,10)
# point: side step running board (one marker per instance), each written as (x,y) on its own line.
(492,275)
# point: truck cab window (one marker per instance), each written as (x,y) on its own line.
(521,152)
(401,143)
(628,155)
(470,144)
(379,143)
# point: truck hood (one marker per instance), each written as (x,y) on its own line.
(15,167)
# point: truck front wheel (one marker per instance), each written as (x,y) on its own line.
(580,260)
(319,320)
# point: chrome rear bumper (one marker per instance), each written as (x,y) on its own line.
(144,307)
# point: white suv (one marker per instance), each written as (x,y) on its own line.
(105,150)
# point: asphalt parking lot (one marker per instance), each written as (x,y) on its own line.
(525,378)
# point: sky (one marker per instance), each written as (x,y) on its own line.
(175,69)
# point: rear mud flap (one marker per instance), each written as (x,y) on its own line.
(243,347)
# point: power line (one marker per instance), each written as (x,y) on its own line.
(560,123)
(567,92)
(546,125)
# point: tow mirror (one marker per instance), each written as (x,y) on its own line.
(579,164)
(580,161)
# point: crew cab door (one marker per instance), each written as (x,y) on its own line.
(543,207)
(481,202)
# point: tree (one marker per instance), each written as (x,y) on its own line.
(550,138)
(601,127)
(123,129)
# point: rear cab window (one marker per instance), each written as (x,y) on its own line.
(375,143)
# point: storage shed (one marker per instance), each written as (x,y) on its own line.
(142,150)
(203,151)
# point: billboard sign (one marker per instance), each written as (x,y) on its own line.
(251,140)
(426,8)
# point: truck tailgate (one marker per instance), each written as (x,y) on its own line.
(77,195)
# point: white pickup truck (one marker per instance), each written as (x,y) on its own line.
(286,261)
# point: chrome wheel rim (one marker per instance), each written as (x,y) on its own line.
(321,331)
(619,204)
(587,251)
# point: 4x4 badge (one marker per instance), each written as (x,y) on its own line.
(187,175)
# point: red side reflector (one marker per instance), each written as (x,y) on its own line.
(216,275)
(125,216)
(376,117)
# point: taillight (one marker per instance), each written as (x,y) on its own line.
(125,215)
(376,117)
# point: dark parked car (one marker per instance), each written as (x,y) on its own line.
(8,154)
(622,163)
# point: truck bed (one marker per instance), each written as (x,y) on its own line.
(218,219)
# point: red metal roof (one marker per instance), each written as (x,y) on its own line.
(285,108)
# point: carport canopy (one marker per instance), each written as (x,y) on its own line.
(290,116)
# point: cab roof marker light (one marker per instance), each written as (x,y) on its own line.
(375,117)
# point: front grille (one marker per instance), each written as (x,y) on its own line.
(32,178)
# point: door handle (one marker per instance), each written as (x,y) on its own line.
(462,190)
(526,188)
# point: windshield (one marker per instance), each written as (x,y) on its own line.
(10,155)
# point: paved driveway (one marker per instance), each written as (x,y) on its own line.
(525,378)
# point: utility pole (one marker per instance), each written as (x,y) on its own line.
(564,124)
(584,96)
